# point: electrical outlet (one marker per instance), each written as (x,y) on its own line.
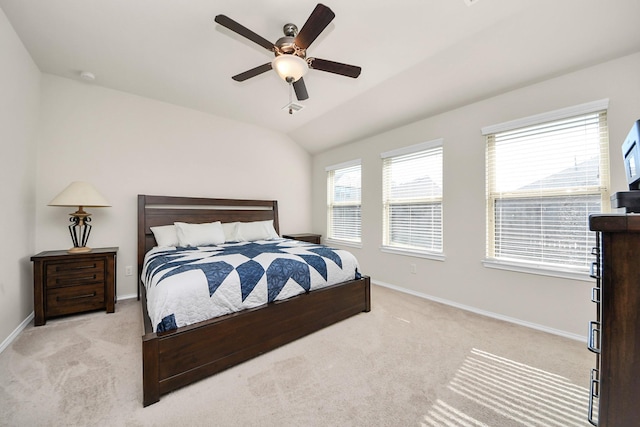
(412,268)
(128,270)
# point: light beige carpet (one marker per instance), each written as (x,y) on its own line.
(409,362)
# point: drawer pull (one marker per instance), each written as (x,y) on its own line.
(77,267)
(595,270)
(593,395)
(78,279)
(594,330)
(91,295)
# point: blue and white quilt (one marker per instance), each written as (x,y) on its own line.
(189,285)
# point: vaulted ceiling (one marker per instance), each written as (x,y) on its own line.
(418,57)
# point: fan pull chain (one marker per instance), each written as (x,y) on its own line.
(290,81)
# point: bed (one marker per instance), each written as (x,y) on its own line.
(181,356)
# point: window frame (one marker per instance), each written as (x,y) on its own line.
(387,246)
(603,188)
(330,172)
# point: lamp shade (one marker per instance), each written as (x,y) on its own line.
(289,66)
(79,193)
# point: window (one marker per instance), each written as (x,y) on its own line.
(343,202)
(412,199)
(545,176)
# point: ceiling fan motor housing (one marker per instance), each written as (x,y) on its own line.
(286,45)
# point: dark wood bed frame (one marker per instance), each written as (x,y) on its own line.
(173,359)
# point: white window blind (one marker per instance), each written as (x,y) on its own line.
(344,188)
(543,182)
(412,198)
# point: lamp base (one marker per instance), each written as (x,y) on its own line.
(80,230)
(79,250)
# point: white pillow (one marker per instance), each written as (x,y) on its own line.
(230,231)
(210,233)
(165,235)
(256,230)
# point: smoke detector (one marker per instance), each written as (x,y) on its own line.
(470,2)
(87,76)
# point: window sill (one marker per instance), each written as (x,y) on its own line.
(436,256)
(349,243)
(536,269)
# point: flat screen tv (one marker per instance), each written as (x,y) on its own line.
(631,153)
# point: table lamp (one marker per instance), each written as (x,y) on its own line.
(81,194)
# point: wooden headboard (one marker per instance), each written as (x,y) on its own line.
(165,210)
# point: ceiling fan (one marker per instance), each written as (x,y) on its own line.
(291,61)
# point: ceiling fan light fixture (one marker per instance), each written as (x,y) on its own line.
(290,67)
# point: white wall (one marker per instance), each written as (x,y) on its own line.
(126,145)
(19,89)
(552,303)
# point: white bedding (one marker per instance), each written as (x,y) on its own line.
(189,285)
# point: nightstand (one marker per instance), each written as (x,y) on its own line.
(66,283)
(304,237)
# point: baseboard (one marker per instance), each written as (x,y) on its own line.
(7,342)
(124,297)
(483,312)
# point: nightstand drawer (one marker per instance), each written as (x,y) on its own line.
(60,274)
(74,299)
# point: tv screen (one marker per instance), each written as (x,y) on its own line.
(631,153)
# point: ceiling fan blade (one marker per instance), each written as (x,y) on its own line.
(225,21)
(252,72)
(301,89)
(334,67)
(316,23)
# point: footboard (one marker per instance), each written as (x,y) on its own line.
(176,358)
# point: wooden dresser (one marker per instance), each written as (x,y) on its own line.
(66,283)
(615,334)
